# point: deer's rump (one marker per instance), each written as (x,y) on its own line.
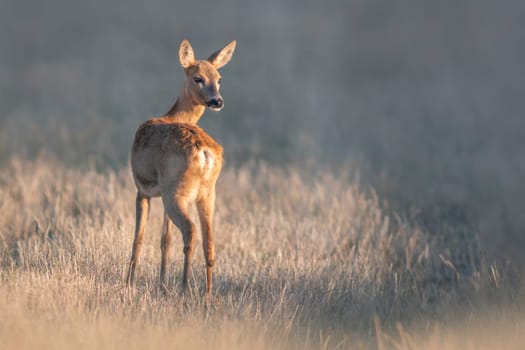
(171,151)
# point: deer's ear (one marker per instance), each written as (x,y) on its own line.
(186,55)
(223,56)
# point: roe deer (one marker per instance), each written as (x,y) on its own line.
(175,159)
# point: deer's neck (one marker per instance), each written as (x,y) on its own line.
(185,110)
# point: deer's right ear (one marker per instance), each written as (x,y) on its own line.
(186,55)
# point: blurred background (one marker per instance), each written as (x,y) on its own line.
(424,100)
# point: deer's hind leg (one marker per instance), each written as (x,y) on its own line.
(142,212)
(205,207)
(165,249)
(176,207)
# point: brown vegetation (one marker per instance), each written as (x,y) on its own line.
(371,197)
(285,280)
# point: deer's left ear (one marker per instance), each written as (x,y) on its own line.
(221,57)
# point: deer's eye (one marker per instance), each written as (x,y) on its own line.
(219,81)
(198,80)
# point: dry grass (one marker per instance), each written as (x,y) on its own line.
(425,98)
(303,262)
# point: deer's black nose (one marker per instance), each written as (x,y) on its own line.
(216,102)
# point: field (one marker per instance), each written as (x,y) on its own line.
(301,263)
(371,197)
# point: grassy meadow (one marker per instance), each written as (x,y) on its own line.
(302,263)
(371,196)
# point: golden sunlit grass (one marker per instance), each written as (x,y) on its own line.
(423,98)
(302,262)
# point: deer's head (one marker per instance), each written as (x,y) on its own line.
(202,78)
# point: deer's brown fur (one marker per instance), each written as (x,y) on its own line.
(175,159)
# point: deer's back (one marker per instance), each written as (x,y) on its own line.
(167,152)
